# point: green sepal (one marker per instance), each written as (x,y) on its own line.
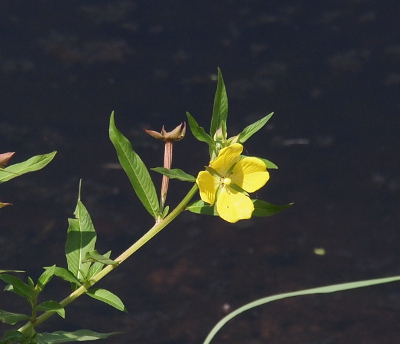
(220,109)
(94,256)
(12,318)
(250,130)
(107,297)
(175,173)
(17,286)
(52,306)
(198,132)
(33,164)
(263,209)
(135,169)
(68,337)
(45,277)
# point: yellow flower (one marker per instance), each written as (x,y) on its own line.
(228,179)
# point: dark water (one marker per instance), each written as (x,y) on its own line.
(330,71)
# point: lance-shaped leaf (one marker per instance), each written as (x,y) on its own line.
(262,209)
(220,110)
(201,207)
(97,266)
(250,130)
(17,286)
(33,164)
(81,238)
(13,336)
(175,173)
(52,306)
(198,132)
(68,337)
(45,277)
(12,318)
(3,271)
(107,297)
(95,256)
(66,275)
(135,169)
(268,164)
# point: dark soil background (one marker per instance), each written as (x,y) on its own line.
(328,69)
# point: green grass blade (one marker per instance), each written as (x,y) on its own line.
(135,169)
(68,337)
(320,290)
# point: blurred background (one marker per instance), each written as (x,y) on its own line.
(328,69)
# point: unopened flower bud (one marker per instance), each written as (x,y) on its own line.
(175,135)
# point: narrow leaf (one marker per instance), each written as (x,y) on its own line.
(12,336)
(12,318)
(81,238)
(135,169)
(94,256)
(17,286)
(199,132)
(66,275)
(220,110)
(52,306)
(262,209)
(2,271)
(107,297)
(33,164)
(201,207)
(67,337)
(46,277)
(97,266)
(175,173)
(253,128)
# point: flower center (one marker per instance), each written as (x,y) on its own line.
(226,181)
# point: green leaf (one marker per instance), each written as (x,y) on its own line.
(66,275)
(12,318)
(220,110)
(67,337)
(175,173)
(3,271)
(12,336)
(199,132)
(107,297)
(250,130)
(94,256)
(270,165)
(33,164)
(52,306)
(81,238)
(135,169)
(201,207)
(97,266)
(46,277)
(320,290)
(262,209)
(17,286)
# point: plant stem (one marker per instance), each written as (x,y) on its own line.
(138,244)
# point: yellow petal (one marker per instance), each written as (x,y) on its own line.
(227,157)
(250,174)
(208,186)
(233,206)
